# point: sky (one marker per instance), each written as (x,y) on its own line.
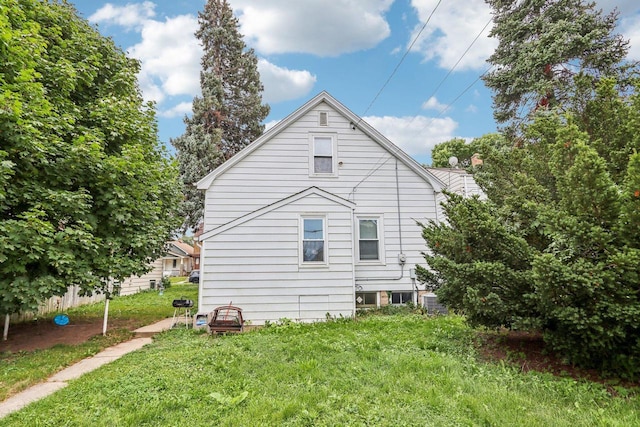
(410,68)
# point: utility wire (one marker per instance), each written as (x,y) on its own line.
(415,39)
(377,165)
(459,59)
(444,110)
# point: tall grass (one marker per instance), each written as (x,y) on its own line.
(401,370)
(23,369)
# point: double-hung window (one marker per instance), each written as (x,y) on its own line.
(322,161)
(369,239)
(314,240)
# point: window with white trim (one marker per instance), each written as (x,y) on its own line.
(401,297)
(313,240)
(322,161)
(369,239)
(366,299)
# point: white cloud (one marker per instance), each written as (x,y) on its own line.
(168,51)
(451,30)
(625,7)
(415,135)
(270,124)
(129,16)
(456,23)
(282,84)
(170,56)
(179,110)
(630,28)
(471,109)
(433,104)
(319,27)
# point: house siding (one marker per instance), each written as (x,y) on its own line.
(457,181)
(135,284)
(265,277)
(368,175)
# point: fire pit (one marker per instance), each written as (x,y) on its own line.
(226,318)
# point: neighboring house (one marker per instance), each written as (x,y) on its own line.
(456,181)
(179,259)
(317,217)
(150,280)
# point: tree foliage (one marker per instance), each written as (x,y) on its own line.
(228,115)
(456,147)
(86,191)
(543,45)
(555,246)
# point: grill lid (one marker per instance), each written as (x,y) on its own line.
(180,303)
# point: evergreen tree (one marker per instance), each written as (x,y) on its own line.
(543,45)
(228,115)
(555,246)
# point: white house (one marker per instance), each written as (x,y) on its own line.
(316,217)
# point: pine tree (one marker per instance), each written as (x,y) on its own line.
(228,115)
(543,45)
(555,246)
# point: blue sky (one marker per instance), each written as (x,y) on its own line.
(354,49)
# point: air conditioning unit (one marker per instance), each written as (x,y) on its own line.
(430,302)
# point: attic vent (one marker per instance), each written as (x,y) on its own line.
(324,118)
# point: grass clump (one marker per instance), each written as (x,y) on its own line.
(405,369)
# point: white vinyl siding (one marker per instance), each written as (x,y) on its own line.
(257,264)
(134,284)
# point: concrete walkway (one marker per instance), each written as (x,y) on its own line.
(60,379)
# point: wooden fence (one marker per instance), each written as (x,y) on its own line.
(58,304)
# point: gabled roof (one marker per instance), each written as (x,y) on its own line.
(283,202)
(180,248)
(324,97)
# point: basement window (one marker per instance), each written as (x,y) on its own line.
(401,297)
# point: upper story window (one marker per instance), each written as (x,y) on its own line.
(322,161)
(369,241)
(313,240)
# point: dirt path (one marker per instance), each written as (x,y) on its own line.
(43,333)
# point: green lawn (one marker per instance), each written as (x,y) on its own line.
(21,370)
(400,370)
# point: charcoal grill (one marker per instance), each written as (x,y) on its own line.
(182,303)
(181,310)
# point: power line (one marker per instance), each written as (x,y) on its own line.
(460,59)
(444,110)
(415,39)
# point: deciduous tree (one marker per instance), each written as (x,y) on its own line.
(87,193)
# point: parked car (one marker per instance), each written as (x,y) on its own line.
(194,277)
